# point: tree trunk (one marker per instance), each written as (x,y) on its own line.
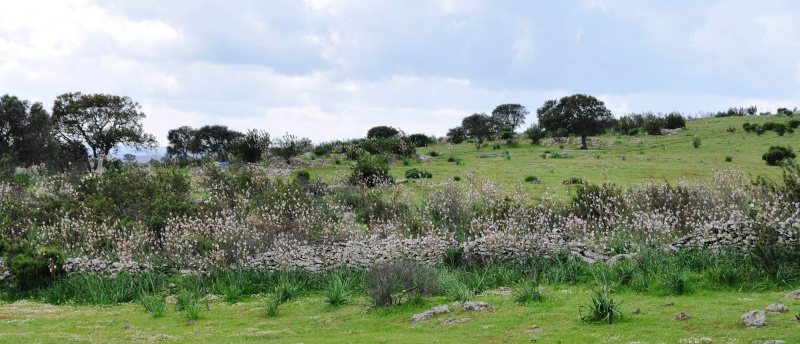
(583,142)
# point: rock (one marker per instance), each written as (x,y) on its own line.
(440,309)
(127,327)
(487,155)
(770,341)
(425,157)
(478,306)
(618,258)
(276,161)
(504,290)
(777,308)
(535,329)
(668,304)
(637,310)
(424,316)
(454,321)
(754,319)
(793,294)
(682,316)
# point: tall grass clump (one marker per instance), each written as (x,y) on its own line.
(602,308)
(154,305)
(337,291)
(527,293)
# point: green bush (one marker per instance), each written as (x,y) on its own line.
(794,123)
(535,134)
(370,171)
(674,120)
(633,132)
(34,269)
(696,142)
(780,128)
(777,154)
(532,179)
(421,140)
(759,129)
(731,129)
(728,158)
(748,127)
(415,173)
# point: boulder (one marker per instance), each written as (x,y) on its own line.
(440,309)
(754,319)
(454,321)
(424,316)
(777,308)
(793,294)
(478,306)
(769,341)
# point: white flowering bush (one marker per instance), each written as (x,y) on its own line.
(217,216)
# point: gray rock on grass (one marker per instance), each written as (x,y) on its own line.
(777,308)
(478,306)
(754,319)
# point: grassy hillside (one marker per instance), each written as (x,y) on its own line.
(619,159)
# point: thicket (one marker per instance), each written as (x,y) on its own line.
(216,217)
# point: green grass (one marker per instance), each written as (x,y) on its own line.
(716,315)
(620,159)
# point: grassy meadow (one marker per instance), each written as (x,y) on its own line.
(619,159)
(201,233)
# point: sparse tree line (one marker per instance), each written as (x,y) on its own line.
(83,130)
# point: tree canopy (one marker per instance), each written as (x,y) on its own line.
(26,135)
(509,117)
(479,127)
(382,132)
(102,122)
(578,114)
(214,140)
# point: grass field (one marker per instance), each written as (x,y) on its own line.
(618,159)
(715,319)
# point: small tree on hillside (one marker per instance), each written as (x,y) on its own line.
(456,135)
(382,132)
(509,117)
(479,127)
(578,114)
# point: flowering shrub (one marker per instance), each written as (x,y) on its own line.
(218,216)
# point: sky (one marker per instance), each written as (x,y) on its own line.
(332,69)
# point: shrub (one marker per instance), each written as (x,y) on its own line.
(456,135)
(535,134)
(572,181)
(696,142)
(532,179)
(794,123)
(777,154)
(34,269)
(653,125)
(759,129)
(748,127)
(415,173)
(769,125)
(633,132)
(674,120)
(780,128)
(728,158)
(303,176)
(370,171)
(420,140)
(731,129)
(389,283)
(456,178)
(433,153)
(602,308)
(382,131)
